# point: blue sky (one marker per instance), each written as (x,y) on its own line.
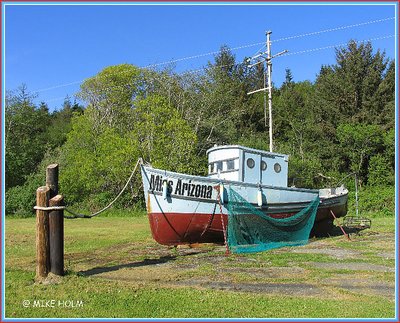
(52,48)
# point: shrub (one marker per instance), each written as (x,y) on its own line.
(380,171)
(20,200)
(379,200)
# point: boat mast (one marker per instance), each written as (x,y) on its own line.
(267,61)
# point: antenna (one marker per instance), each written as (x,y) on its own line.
(267,61)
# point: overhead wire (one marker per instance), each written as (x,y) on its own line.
(332,29)
(334,46)
(226,65)
(150,66)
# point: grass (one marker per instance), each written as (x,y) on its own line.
(115,269)
(113,299)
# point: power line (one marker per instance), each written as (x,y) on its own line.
(333,46)
(311,50)
(221,66)
(200,55)
(334,29)
(58,86)
(241,47)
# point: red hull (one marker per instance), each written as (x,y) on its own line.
(181,228)
(186,228)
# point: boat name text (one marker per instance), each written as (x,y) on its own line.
(181,187)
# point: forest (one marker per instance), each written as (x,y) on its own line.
(342,123)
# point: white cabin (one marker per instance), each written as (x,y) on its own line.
(243,164)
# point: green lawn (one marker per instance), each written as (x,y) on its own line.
(115,269)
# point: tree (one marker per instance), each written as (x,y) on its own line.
(110,96)
(294,124)
(348,90)
(95,164)
(359,143)
(288,78)
(164,138)
(98,162)
(60,123)
(25,135)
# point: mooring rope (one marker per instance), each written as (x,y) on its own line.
(49,208)
(78,215)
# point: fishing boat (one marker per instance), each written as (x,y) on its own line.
(186,209)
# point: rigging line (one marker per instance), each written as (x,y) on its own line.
(78,215)
(333,29)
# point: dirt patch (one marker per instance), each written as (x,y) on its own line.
(379,289)
(268,273)
(338,253)
(386,255)
(207,267)
(352,266)
(363,285)
(265,288)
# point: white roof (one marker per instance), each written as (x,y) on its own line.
(250,150)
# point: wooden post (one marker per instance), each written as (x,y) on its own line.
(56,238)
(42,233)
(52,179)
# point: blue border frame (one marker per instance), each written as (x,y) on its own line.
(397,163)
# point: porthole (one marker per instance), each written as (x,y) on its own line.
(250,163)
(277,168)
(263,165)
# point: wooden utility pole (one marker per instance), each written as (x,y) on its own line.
(267,61)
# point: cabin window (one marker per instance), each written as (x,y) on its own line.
(250,162)
(277,168)
(227,165)
(263,165)
(218,166)
(230,164)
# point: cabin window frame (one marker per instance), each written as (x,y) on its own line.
(230,164)
(213,170)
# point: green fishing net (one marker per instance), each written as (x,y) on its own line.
(250,230)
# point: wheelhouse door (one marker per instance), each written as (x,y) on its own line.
(251,167)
